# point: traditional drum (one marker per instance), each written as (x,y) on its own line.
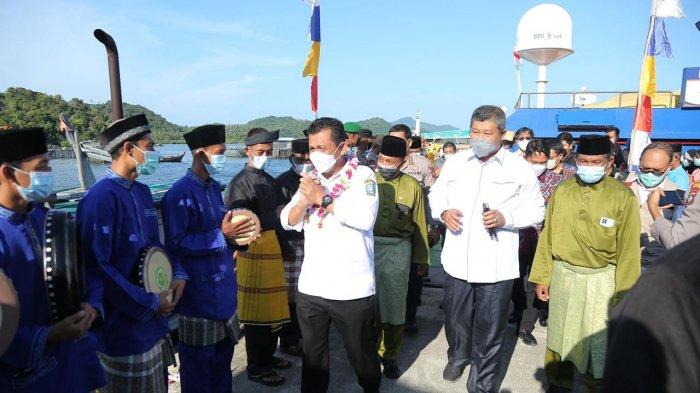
(242,215)
(64,273)
(153,271)
(9,312)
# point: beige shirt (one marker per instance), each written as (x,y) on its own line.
(418,167)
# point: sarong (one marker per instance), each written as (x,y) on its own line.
(202,332)
(142,373)
(292,268)
(579,301)
(392,265)
(262,291)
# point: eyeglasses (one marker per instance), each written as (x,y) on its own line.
(656,173)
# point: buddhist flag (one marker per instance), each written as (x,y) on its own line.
(314,57)
(657,44)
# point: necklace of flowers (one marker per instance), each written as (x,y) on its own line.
(338,188)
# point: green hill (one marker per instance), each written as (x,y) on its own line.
(20,107)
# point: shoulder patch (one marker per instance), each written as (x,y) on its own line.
(370,187)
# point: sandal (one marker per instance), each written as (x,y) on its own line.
(280,364)
(269,378)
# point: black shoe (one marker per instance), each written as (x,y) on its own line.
(411,328)
(543,321)
(528,338)
(292,350)
(452,373)
(391,370)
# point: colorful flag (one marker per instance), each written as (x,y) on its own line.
(517,60)
(657,44)
(314,57)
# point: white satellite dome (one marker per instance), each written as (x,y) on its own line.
(545,34)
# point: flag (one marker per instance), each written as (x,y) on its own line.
(517,60)
(657,44)
(314,56)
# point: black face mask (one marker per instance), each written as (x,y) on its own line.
(388,173)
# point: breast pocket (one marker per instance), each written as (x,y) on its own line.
(502,192)
(603,236)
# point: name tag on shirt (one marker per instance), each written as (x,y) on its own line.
(607,222)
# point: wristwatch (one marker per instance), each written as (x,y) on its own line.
(326,201)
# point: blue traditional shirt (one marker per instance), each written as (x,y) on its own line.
(193,211)
(117,219)
(30,363)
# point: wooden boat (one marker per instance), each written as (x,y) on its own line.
(172,158)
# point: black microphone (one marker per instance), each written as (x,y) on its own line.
(492,231)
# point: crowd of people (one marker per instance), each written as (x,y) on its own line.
(557,231)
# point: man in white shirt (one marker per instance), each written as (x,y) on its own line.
(480,256)
(336,206)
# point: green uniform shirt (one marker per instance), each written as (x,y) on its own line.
(402,214)
(591,226)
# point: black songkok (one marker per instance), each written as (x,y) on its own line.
(121,130)
(300,146)
(204,136)
(16,144)
(393,147)
(261,135)
(593,145)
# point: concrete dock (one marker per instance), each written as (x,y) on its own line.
(421,360)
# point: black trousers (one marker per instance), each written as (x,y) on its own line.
(260,346)
(415,291)
(525,305)
(476,317)
(355,320)
(290,333)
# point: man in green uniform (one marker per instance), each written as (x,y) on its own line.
(400,239)
(586,259)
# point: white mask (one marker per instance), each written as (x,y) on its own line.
(551,164)
(324,162)
(522,145)
(538,169)
(261,162)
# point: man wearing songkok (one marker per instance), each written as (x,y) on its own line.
(292,244)
(262,295)
(654,166)
(587,257)
(117,220)
(336,207)
(43,356)
(485,196)
(200,236)
(400,240)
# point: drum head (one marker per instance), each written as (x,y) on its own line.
(9,312)
(64,273)
(245,214)
(157,271)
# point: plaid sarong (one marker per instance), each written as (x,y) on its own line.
(145,372)
(292,269)
(202,332)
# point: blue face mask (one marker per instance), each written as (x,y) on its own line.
(483,148)
(685,162)
(650,180)
(218,162)
(152,160)
(696,162)
(590,174)
(40,186)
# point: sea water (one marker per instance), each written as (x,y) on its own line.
(66,171)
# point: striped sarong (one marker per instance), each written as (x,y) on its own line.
(202,332)
(580,298)
(292,269)
(262,291)
(142,373)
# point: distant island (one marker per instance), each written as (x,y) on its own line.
(20,107)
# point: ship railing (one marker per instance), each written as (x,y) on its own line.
(593,99)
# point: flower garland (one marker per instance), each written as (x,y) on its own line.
(336,191)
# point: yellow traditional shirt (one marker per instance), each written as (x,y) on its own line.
(402,214)
(591,226)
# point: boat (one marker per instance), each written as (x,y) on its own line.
(172,158)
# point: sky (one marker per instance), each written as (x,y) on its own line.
(197,62)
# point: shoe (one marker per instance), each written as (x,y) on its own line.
(452,373)
(543,322)
(527,338)
(391,370)
(292,350)
(512,319)
(411,328)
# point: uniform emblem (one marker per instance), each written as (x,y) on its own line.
(370,187)
(607,222)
